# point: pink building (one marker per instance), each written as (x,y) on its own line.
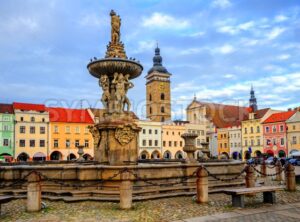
(275,134)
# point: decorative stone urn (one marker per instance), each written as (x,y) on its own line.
(80,153)
(189,146)
(116,136)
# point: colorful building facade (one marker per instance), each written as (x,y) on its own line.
(7,145)
(172,142)
(68,129)
(150,142)
(223,142)
(31,132)
(275,134)
(293,133)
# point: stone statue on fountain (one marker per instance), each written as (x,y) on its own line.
(116,135)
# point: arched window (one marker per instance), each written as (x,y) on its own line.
(162,96)
(150,97)
(150,110)
(162,109)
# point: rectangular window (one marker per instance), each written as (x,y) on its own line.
(231,144)
(175,143)
(258,142)
(21,119)
(251,129)
(294,140)
(86,143)
(22,143)
(42,130)
(221,145)
(150,142)
(67,143)
(281,128)
(246,142)
(164,143)
(22,129)
(6,128)
(144,131)
(225,145)
(252,142)
(267,129)
(144,142)
(55,129)
(156,131)
(156,142)
(268,141)
(282,141)
(76,143)
(55,143)
(198,142)
(170,143)
(86,130)
(77,130)
(6,118)
(32,130)
(181,144)
(32,143)
(150,131)
(258,129)
(294,127)
(5,142)
(235,144)
(67,129)
(42,143)
(274,141)
(245,130)
(274,129)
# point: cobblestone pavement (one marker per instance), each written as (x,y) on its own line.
(162,210)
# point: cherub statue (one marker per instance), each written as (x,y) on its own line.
(119,82)
(104,83)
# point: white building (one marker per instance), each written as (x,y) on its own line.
(150,142)
(235,142)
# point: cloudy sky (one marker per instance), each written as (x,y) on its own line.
(214,49)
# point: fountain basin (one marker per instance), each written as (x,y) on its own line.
(109,66)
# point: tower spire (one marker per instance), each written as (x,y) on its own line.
(252,100)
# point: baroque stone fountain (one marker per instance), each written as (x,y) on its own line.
(115,138)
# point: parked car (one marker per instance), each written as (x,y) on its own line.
(270,160)
(293,161)
(298,162)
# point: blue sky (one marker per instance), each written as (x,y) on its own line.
(215,49)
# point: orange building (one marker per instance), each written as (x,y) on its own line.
(223,142)
(68,129)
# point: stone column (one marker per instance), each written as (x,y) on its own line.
(263,169)
(290,177)
(278,169)
(125,191)
(34,195)
(250,177)
(202,185)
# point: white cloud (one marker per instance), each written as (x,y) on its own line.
(145,46)
(280,18)
(23,24)
(196,34)
(221,4)
(91,20)
(228,29)
(159,20)
(246,26)
(275,32)
(229,76)
(225,49)
(283,57)
(190,51)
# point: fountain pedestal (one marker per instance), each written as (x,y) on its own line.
(189,146)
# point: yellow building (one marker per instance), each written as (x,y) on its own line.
(69,129)
(252,133)
(223,142)
(172,141)
(293,133)
(31,132)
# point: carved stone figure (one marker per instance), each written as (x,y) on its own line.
(104,83)
(128,85)
(96,135)
(119,82)
(115,24)
(124,135)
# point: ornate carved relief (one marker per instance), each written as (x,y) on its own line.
(124,135)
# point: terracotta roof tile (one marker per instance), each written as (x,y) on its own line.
(259,113)
(225,115)
(6,108)
(279,117)
(29,107)
(58,114)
